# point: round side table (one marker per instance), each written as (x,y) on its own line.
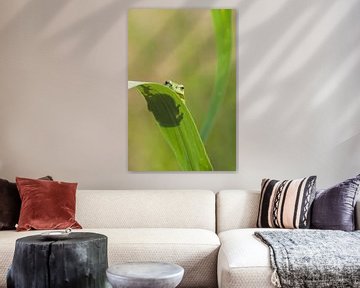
(145,275)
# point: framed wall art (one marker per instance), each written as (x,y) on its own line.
(181,90)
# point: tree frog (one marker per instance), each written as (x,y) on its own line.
(178,88)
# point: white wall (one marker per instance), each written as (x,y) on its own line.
(63,92)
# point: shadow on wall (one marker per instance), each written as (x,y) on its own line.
(47,11)
(87,31)
(306,51)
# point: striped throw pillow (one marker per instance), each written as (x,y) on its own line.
(286,204)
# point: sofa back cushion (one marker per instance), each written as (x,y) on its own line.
(236,209)
(146,209)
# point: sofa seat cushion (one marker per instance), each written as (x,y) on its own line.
(194,249)
(244,261)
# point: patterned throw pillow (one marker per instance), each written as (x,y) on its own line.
(286,204)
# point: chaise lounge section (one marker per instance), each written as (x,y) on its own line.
(244,260)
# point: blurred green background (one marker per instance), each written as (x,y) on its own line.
(177,45)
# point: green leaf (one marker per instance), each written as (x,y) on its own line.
(176,125)
(223,25)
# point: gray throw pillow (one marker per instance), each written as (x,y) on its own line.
(334,208)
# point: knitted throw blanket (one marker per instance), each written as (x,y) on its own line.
(313,258)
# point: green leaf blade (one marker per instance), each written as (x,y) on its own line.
(223,27)
(176,125)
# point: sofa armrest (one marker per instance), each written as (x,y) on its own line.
(357,215)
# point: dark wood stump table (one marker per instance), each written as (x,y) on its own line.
(79,261)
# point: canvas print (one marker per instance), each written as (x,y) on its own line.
(181,90)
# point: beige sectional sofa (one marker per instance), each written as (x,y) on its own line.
(177,226)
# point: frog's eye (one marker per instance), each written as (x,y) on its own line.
(167,82)
(181,87)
